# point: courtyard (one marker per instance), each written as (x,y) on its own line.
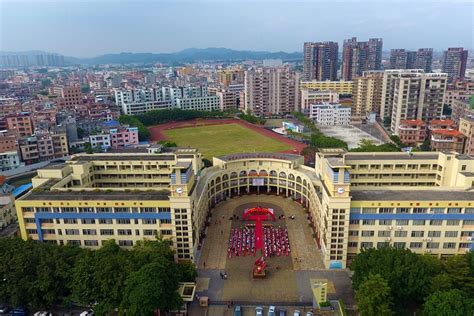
(350,134)
(288,277)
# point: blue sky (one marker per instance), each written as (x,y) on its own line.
(86,28)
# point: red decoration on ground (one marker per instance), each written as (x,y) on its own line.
(259,214)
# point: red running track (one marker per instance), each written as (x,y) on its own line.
(158,135)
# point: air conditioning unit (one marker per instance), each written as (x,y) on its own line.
(399,227)
(428,250)
(429,239)
(388,239)
(469,238)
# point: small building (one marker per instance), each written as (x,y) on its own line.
(412,132)
(466,127)
(330,114)
(447,140)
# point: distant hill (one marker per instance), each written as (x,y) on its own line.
(189,55)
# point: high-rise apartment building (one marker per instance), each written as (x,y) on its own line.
(271,91)
(320,61)
(454,62)
(412,95)
(367,93)
(403,59)
(358,57)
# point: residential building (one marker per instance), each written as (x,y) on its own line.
(101,140)
(21,124)
(462,109)
(367,93)
(8,141)
(403,59)
(412,132)
(320,61)
(204,103)
(43,146)
(123,137)
(412,95)
(445,137)
(455,62)
(466,127)
(341,87)
(7,210)
(327,114)
(70,96)
(358,57)
(228,100)
(354,201)
(9,160)
(138,101)
(271,91)
(227,77)
(309,96)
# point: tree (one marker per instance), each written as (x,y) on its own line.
(373,296)
(85,88)
(387,120)
(367,145)
(426,145)
(448,303)
(459,270)
(186,272)
(152,287)
(45,83)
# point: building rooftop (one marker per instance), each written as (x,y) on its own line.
(122,157)
(279,156)
(54,166)
(97,195)
(447,132)
(391,156)
(412,122)
(412,195)
(442,122)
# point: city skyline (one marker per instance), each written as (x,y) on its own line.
(73,29)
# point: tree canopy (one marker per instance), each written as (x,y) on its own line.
(38,275)
(373,296)
(449,303)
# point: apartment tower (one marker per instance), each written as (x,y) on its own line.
(320,61)
(358,57)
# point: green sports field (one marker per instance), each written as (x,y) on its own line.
(217,140)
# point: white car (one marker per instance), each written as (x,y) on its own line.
(90,312)
(259,311)
(296,313)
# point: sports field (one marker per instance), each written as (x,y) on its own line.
(217,140)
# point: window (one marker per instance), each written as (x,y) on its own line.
(70,221)
(366,244)
(401,233)
(402,210)
(454,210)
(464,245)
(31,231)
(353,233)
(150,232)
(437,210)
(418,222)
(449,245)
(89,232)
(420,210)
(417,233)
(106,232)
(451,234)
(369,210)
(74,242)
(400,245)
(122,232)
(104,210)
(368,222)
(383,244)
(385,222)
(367,233)
(123,221)
(452,222)
(72,231)
(436,222)
(125,243)
(69,209)
(354,222)
(415,245)
(105,221)
(149,221)
(434,233)
(432,245)
(88,221)
(402,222)
(352,244)
(384,233)
(122,210)
(385,210)
(91,243)
(468,222)
(167,221)
(166,232)
(148,210)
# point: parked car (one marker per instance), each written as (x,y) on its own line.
(282,312)
(296,313)
(272,311)
(43,314)
(309,314)
(237,310)
(18,312)
(89,312)
(3,309)
(259,311)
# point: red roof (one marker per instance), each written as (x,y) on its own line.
(442,122)
(3,179)
(413,122)
(447,132)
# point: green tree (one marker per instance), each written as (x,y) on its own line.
(186,272)
(85,88)
(152,287)
(426,145)
(459,270)
(45,83)
(373,296)
(448,303)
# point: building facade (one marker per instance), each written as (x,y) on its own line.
(367,93)
(358,57)
(455,62)
(309,97)
(327,114)
(412,132)
(341,87)
(353,200)
(271,91)
(466,127)
(403,59)
(320,61)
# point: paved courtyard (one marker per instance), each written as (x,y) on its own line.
(290,283)
(350,134)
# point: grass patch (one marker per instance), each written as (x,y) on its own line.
(217,140)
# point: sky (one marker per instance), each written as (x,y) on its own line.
(87,28)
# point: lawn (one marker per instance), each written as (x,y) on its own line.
(217,140)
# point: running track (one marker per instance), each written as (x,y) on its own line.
(158,135)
